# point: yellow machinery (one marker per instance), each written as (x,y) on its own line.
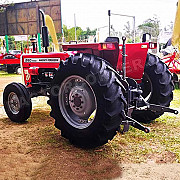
(52,31)
(176,30)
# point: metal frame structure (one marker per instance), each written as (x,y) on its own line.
(109,14)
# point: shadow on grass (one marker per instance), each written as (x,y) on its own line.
(58,158)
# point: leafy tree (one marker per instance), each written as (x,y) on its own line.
(11,42)
(150,26)
(59,36)
(71,33)
(128,32)
(65,31)
(169,27)
(18,44)
(4,4)
(87,33)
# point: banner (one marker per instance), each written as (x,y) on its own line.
(23,18)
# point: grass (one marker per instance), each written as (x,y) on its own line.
(38,138)
(5,74)
(176,100)
(162,144)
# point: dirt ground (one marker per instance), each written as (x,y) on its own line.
(35,150)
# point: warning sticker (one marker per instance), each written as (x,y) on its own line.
(144,46)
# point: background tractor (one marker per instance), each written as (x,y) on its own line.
(92,93)
(10,62)
(172,48)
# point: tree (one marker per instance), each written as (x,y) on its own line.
(128,32)
(65,31)
(11,42)
(18,44)
(4,4)
(150,26)
(87,33)
(69,34)
(169,27)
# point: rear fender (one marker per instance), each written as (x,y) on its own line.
(107,50)
(135,60)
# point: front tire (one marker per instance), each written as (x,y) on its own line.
(10,69)
(101,93)
(157,86)
(17,102)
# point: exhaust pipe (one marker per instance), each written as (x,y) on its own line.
(45,37)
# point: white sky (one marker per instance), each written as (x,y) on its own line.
(94,13)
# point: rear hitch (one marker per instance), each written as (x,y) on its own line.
(156,108)
(132,122)
(159,108)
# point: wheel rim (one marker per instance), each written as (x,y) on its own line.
(18,70)
(77,102)
(13,103)
(147,87)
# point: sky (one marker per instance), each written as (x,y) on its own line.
(94,13)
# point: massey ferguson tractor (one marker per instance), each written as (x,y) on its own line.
(10,62)
(92,94)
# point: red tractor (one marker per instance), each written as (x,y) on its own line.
(92,93)
(10,62)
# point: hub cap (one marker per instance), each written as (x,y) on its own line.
(19,70)
(13,103)
(77,102)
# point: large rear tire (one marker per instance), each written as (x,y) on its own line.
(17,102)
(86,100)
(157,86)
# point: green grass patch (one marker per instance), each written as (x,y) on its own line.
(176,100)
(138,146)
(162,144)
(5,74)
